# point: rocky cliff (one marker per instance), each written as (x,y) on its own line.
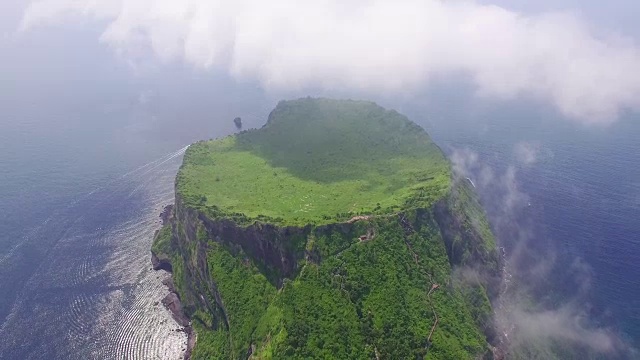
(279,249)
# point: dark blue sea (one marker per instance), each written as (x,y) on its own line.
(83,182)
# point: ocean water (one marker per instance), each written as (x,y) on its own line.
(82,187)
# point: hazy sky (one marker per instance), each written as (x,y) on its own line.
(583,58)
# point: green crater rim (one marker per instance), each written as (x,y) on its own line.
(316,161)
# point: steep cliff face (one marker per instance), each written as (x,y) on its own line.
(371,277)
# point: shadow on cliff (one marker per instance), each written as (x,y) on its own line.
(328,142)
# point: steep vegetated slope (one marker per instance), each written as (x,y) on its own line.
(334,231)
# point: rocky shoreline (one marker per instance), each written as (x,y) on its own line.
(172,301)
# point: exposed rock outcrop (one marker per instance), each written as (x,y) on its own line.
(160,262)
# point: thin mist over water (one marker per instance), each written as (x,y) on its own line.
(544,307)
(563,201)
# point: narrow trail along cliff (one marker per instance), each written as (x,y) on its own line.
(435,315)
(408,230)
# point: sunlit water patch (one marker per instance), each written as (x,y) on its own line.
(94,294)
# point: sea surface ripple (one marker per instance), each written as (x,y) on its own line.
(94,295)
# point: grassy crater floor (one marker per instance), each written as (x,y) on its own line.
(316,161)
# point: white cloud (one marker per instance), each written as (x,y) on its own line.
(566,325)
(376,46)
(526,152)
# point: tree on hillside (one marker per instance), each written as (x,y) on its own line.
(238,122)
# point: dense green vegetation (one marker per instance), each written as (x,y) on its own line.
(360,290)
(316,160)
(370,297)
(162,241)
